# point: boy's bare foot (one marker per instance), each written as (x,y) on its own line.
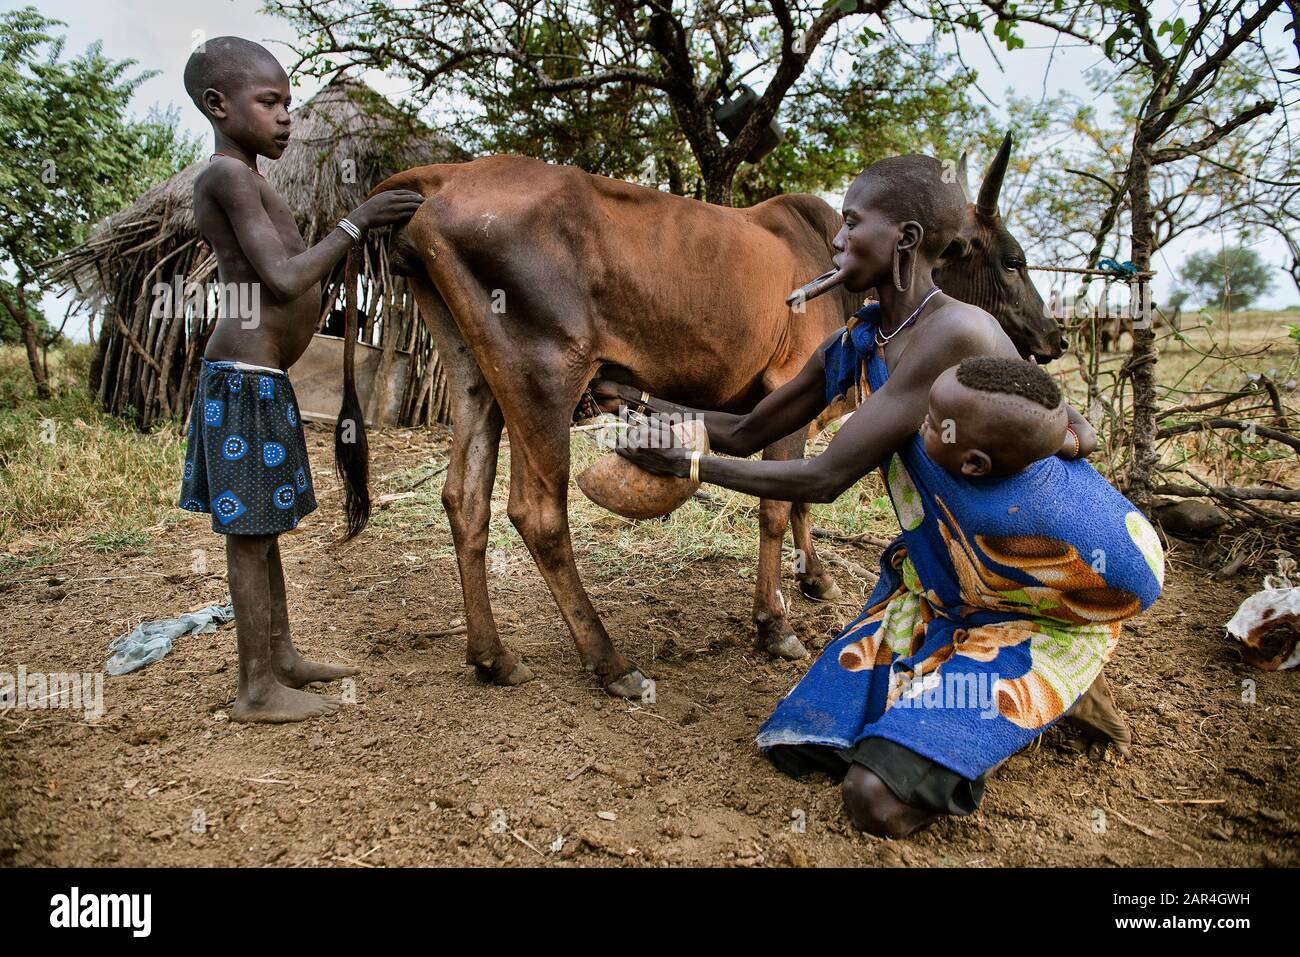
(280,704)
(298,671)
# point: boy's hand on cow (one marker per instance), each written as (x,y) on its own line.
(386,208)
(655,447)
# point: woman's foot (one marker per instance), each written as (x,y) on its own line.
(1100,721)
(875,809)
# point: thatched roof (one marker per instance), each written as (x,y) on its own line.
(346,139)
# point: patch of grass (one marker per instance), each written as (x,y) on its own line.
(117,538)
(1214,351)
(11,566)
(71,474)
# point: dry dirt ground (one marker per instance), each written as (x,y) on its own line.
(429,767)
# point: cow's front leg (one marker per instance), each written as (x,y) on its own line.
(775,636)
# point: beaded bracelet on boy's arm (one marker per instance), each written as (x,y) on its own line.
(1077,445)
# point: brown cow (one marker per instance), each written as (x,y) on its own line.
(534,280)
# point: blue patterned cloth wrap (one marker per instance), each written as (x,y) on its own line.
(995,610)
(843,357)
(246,462)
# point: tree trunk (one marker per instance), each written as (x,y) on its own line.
(1142,361)
(719,181)
(96,372)
(717,190)
(23,318)
(676,185)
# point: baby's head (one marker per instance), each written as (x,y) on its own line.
(243,91)
(993,416)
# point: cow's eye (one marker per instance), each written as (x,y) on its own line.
(1014,264)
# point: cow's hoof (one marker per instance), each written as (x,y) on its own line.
(631,685)
(501,676)
(788,647)
(822,588)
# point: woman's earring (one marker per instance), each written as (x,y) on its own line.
(898,278)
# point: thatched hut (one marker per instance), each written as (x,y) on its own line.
(145,273)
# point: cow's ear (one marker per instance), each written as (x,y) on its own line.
(959,248)
(963,177)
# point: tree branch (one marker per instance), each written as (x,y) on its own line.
(1236,424)
(1171,154)
(1249,493)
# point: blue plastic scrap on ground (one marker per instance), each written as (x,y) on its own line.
(151,640)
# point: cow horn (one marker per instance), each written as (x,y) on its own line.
(963,176)
(992,185)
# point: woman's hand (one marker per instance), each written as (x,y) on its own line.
(655,447)
(608,394)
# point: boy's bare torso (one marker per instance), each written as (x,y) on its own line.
(278,332)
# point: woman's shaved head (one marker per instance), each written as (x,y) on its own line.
(917,188)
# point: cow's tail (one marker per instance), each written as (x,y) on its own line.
(351,450)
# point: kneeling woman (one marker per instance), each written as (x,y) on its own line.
(1003,596)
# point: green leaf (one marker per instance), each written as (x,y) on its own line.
(1176,28)
(1121,33)
(1004,30)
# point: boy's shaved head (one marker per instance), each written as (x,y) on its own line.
(1011,377)
(993,415)
(223,63)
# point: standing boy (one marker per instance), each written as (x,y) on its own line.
(247,459)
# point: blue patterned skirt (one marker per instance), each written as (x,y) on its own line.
(246,462)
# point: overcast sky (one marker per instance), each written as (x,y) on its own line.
(159,34)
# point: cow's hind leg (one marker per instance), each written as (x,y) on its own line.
(467,493)
(775,636)
(537,366)
(539,487)
(814,580)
